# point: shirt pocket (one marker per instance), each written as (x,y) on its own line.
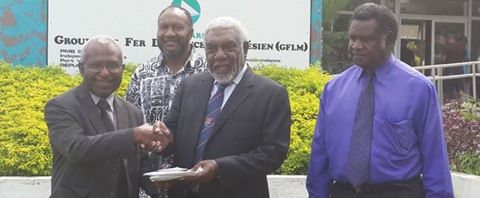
(402,135)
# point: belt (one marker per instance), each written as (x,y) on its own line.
(366,189)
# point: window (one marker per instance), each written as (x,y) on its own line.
(434,7)
(354,3)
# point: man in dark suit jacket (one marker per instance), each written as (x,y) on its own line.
(251,135)
(95,152)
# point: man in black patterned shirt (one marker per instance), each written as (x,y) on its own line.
(154,83)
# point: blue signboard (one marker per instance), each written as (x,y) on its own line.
(23,32)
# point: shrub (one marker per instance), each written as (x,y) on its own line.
(23,134)
(127,74)
(467,163)
(25,147)
(310,80)
(24,92)
(462,131)
(304,88)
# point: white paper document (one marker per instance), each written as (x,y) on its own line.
(171,173)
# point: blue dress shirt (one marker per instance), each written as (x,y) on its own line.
(407,140)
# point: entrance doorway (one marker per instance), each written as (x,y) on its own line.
(447,35)
(437,41)
(415,42)
(416,38)
(451,47)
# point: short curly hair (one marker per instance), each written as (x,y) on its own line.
(384,17)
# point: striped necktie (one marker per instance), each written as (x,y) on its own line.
(213,110)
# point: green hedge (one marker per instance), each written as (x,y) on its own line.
(304,88)
(24,143)
(25,149)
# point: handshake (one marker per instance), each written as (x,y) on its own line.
(153,138)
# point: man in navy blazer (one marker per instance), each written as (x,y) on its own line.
(250,137)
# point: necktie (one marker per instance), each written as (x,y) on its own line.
(123,187)
(358,161)
(213,110)
(107,121)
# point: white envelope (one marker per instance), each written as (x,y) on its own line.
(171,173)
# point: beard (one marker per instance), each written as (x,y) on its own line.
(175,53)
(224,78)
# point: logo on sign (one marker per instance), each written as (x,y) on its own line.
(191,5)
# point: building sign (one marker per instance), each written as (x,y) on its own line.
(278,32)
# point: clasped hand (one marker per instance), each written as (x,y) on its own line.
(153,138)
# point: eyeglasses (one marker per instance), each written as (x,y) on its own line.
(111,67)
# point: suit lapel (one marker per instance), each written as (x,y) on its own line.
(121,114)
(239,95)
(89,109)
(121,117)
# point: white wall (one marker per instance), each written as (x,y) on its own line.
(465,186)
(20,187)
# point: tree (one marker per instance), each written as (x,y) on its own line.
(331,9)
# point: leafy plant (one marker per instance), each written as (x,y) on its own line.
(462,131)
(304,88)
(470,109)
(25,149)
(467,163)
(331,10)
(24,92)
(335,52)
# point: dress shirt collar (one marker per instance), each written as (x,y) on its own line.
(109,100)
(381,70)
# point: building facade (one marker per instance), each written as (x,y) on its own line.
(425,28)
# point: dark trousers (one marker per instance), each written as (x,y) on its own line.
(191,194)
(403,189)
(183,190)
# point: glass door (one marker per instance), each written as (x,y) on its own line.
(448,35)
(450,46)
(415,42)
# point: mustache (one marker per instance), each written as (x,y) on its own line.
(169,41)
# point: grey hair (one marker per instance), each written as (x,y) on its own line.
(100,39)
(228,23)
